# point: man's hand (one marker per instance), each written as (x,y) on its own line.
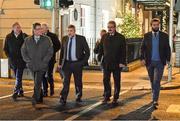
(143,62)
(121,65)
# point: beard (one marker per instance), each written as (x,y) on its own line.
(155,29)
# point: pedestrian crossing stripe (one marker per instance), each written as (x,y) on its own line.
(173,109)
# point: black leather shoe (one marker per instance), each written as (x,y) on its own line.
(14,97)
(106,100)
(45,95)
(155,105)
(34,102)
(115,102)
(62,101)
(78,100)
(21,95)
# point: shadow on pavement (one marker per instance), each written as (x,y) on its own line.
(142,113)
(131,99)
(103,107)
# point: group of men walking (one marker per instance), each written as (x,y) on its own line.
(38,54)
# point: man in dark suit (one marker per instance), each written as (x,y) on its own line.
(96,49)
(113,49)
(155,52)
(49,74)
(74,55)
(12,48)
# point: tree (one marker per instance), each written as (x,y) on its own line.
(130,27)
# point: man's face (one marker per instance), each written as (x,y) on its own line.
(44,29)
(111,28)
(17,29)
(155,26)
(71,32)
(38,31)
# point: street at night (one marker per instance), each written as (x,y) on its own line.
(134,104)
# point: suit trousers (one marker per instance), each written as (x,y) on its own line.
(70,68)
(48,77)
(38,77)
(155,72)
(18,72)
(107,83)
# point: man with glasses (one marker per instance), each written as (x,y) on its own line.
(37,51)
(113,49)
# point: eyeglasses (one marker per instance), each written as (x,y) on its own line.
(110,27)
(38,28)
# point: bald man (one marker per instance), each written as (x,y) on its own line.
(49,74)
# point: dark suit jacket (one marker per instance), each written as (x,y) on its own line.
(113,50)
(164,48)
(82,50)
(56,45)
(12,48)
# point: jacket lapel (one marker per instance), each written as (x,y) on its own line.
(77,45)
(150,41)
(160,38)
(66,46)
(160,42)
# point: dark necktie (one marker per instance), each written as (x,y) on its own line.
(70,48)
(155,34)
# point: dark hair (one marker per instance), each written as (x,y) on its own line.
(112,22)
(103,30)
(155,20)
(35,25)
(71,26)
(15,24)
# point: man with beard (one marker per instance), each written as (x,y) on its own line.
(155,53)
(12,48)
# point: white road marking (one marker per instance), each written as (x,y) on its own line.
(6,96)
(46,116)
(89,109)
(147,109)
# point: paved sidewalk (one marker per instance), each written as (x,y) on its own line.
(135,80)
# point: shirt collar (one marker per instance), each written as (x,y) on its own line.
(112,34)
(16,35)
(155,32)
(73,37)
(36,37)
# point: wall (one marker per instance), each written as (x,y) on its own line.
(96,15)
(24,12)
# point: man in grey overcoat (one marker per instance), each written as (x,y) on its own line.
(37,51)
